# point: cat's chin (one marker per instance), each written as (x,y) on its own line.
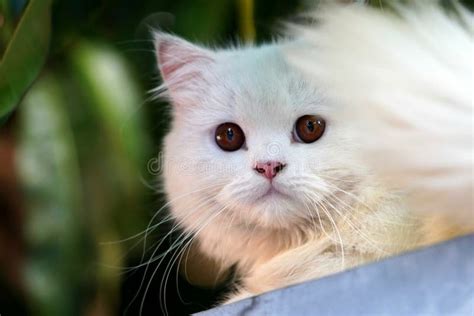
(272,210)
(272,195)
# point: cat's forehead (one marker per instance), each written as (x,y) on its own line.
(262,86)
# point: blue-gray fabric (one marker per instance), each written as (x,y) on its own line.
(438,280)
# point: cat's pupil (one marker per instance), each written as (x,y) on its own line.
(230,134)
(309,128)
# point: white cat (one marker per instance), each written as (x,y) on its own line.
(261,170)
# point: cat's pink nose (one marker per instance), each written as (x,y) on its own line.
(269,169)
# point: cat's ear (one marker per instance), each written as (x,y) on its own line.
(184,67)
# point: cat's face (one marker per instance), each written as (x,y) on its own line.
(249,136)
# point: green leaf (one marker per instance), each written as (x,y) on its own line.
(117,146)
(115,98)
(25,54)
(58,266)
(113,147)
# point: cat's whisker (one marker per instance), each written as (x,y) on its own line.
(354,227)
(181,196)
(186,259)
(318,202)
(151,228)
(332,186)
(193,235)
(383,224)
(178,256)
(346,176)
(229,227)
(139,50)
(160,257)
(150,41)
(360,201)
(166,219)
(154,258)
(205,201)
(328,214)
(185,270)
(345,215)
(127,269)
(317,213)
(179,241)
(348,211)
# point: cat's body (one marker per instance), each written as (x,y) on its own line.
(319,212)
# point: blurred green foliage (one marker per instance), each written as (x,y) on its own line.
(82,152)
(58,261)
(79,72)
(26,51)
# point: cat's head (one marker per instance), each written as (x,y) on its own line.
(250,137)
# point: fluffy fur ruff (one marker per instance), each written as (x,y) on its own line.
(404,77)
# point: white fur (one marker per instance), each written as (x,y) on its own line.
(331,214)
(404,81)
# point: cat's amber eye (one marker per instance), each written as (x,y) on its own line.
(309,128)
(229,136)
